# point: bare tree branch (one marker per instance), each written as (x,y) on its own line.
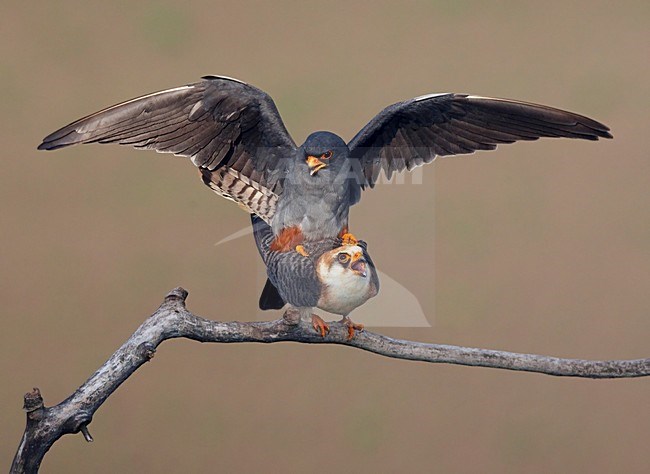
(45,425)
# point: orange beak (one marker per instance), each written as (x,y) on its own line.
(359,264)
(315,165)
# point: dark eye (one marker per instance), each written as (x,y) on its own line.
(327,155)
(343,257)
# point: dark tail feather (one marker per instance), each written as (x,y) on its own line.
(270,298)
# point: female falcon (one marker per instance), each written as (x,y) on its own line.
(333,277)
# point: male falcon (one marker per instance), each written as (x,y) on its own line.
(233,133)
(333,277)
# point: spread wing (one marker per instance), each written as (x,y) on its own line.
(232,132)
(414,132)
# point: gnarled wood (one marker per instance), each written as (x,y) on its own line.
(45,425)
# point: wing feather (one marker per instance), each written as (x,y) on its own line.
(414,132)
(230,130)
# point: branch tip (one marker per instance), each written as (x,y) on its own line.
(177,294)
(86,434)
(33,400)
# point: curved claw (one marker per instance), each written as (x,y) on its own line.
(301,250)
(319,325)
(349,239)
(352,327)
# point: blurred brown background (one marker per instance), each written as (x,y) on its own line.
(539,247)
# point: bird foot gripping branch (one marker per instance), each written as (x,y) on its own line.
(352,327)
(319,325)
(323,328)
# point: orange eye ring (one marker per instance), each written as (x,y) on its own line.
(327,155)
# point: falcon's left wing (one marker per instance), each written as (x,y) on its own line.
(414,132)
(231,130)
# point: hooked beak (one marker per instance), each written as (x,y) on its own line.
(359,265)
(315,165)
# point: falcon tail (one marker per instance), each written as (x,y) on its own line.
(270,298)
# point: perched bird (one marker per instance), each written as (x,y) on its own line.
(333,277)
(233,133)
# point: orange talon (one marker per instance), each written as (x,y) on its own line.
(301,250)
(351,327)
(349,239)
(319,325)
(346,237)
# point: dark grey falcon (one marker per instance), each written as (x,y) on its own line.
(233,133)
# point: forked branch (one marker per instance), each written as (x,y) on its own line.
(45,425)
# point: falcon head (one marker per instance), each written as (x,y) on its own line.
(348,258)
(324,152)
(346,278)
